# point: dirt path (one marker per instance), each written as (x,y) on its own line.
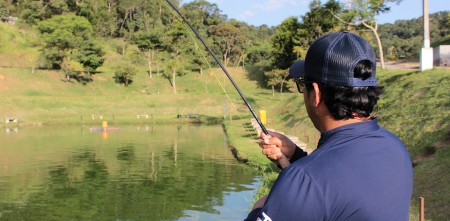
(392,65)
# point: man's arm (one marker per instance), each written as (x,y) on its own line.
(294,196)
(256,210)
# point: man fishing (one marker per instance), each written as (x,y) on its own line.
(359,170)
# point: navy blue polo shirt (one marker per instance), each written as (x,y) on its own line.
(358,172)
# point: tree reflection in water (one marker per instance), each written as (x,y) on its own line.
(144,175)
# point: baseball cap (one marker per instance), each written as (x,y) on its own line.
(332,58)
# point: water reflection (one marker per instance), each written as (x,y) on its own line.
(138,173)
(11,130)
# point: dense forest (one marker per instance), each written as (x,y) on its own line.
(72,33)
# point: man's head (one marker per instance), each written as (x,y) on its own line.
(343,66)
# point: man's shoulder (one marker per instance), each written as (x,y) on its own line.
(366,151)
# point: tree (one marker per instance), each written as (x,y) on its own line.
(179,48)
(362,13)
(259,54)
(35,11)
(67,38)
(163,57)
(228,39)
(5,7)
(202,14)
(149,43)
(173,65)
(448,19)
(90,56)
(102,14)
(257,46)
(4,13)
(247,41)
(276,77)
(319,20)
(31,13)
(283,43)
(198,59)
(124,74)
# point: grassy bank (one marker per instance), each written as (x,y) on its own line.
(44,97)
(415,106)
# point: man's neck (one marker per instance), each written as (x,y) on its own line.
(329,123)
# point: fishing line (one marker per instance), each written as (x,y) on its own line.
(263,128)
(208,64)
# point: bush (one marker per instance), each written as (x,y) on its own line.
(124,75)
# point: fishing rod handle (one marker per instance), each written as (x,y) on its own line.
(283,161)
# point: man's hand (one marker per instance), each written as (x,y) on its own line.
(276,146)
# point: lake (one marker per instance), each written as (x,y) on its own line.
(133,172)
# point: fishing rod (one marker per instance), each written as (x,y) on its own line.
(283,161)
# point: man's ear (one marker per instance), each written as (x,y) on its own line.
(316,93)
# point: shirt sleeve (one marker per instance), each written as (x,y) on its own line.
(253,215)
(298,154)
(294,196)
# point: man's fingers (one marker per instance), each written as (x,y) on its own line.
(269,145)
(277,153)
(269,151)
(272,152)
(264,141)
(264,137)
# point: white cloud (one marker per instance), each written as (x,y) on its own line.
(247,14)
(215,1)
(275,5)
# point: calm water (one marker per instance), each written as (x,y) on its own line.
(161,172)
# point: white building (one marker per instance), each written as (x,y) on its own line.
(441,56)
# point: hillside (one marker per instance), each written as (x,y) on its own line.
(45,96)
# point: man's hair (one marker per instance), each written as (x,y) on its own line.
(345,102)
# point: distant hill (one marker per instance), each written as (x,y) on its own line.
(404,38)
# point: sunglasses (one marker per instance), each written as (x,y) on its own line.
(301,84)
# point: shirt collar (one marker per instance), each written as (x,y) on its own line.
(354,129)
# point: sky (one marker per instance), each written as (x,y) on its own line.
(273,12)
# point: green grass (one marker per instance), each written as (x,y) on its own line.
(34,97)
(415,106)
